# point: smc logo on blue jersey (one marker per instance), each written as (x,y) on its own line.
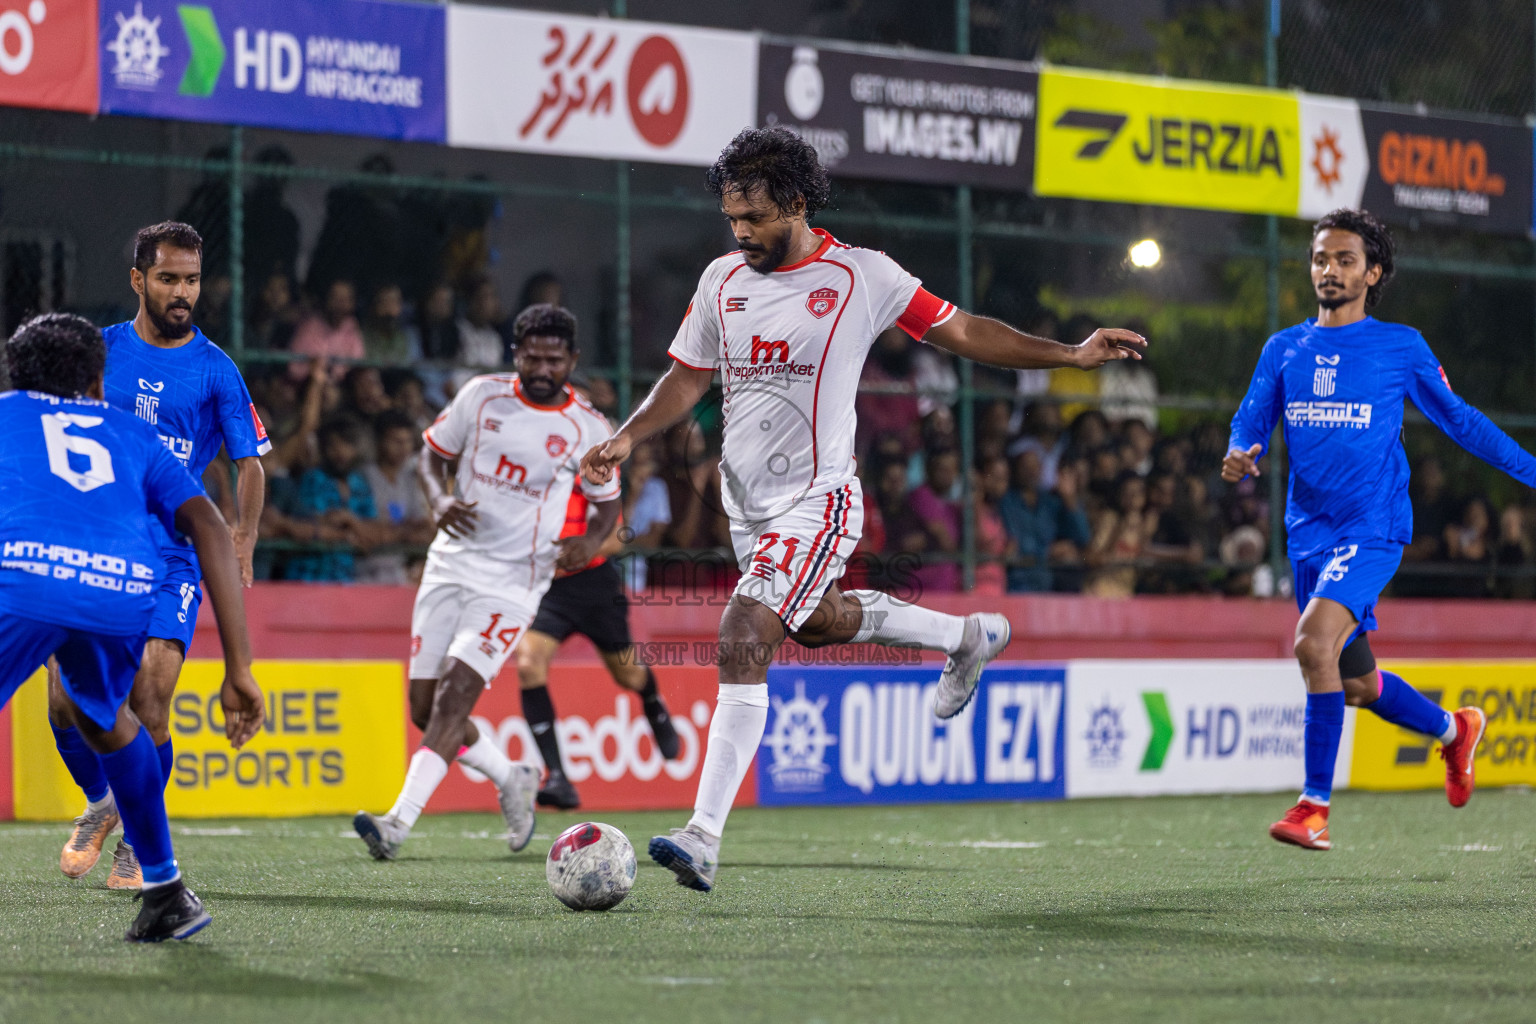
(193,394)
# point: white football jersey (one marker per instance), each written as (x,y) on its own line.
(790,347)
(518,462)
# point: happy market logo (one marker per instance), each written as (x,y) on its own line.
(139,50)
(798,743)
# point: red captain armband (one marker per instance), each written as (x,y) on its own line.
(924,312)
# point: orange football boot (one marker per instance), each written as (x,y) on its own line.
(126,873)
(83,849)
(1305,825)
(1460,754)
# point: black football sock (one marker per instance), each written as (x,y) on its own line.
(648,692)
(539,710)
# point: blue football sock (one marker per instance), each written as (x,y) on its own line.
(134,774)
(1324,724)
(1402,705)
(84,767)
(167,761)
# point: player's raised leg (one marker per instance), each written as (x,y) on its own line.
(1390,697)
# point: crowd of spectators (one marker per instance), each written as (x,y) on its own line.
(1076,483)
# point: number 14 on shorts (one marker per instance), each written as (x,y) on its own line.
(507,636)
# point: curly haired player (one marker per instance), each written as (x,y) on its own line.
(787,320)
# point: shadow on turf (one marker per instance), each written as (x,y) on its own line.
(843,866)
(319,902)
(192,969)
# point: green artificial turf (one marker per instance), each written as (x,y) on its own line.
(1178,909)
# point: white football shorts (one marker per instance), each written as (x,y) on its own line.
(479,627)
(788,562)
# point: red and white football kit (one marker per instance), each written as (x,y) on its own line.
(790,347)
(518,463)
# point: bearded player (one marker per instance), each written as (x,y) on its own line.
(164,370)
(1340,381)
(787,321)
(510,445)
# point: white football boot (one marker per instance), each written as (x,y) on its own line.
(383,834)
(690,853)
(985,636)
(517,798)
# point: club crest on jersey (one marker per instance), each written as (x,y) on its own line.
(555,445)
(821,302)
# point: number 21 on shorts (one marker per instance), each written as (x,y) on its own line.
(762,562)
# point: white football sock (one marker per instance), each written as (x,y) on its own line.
(892,622)
(487,759)
(741,713)
(427,770)
(109,803)
(1449,736)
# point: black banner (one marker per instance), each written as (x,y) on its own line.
(1439,170)
(935,121)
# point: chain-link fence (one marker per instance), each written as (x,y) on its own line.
(441,246)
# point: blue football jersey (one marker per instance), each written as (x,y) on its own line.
(193,395)
(1341,391)
(76,479)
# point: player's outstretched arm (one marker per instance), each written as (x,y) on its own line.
(244,708)
(985,340)
(674,395)
(1430,391)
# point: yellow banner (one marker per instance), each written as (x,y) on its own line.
(1386,757)
(333,742)
(1136,139)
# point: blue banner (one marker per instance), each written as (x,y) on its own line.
(868,735)
(355,67)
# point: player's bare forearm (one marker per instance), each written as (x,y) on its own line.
(199,519)
(455,517)
(434,472)
(674,395)
(250,496)
(577,551)
(985,340)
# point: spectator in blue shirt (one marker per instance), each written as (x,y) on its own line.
(1042,526)
(336,494)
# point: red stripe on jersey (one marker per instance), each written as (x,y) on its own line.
(826,243)
(816,394)
(426,435)
(925,310)
(684,362)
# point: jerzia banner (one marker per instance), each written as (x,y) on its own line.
(918,117)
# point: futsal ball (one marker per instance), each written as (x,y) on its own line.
(591,866)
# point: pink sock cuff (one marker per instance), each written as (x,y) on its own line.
(461,751)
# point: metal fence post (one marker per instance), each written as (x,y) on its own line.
(964,240)
(236,327)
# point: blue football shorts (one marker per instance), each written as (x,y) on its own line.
(98,669)
(1354,575)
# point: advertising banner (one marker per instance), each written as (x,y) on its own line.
(48,54)
(1335,160)
(604,740)
(1136,139)
(867,735)
(334,741)
(597,87)
(1387,757)
(355,67)
(1158,727)
(923,118)
(1440,170)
